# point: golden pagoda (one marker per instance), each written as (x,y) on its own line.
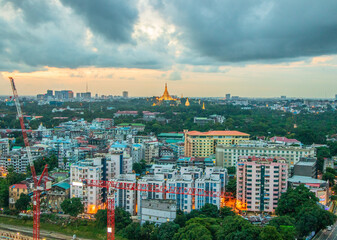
(166,96)
(187,103)
(203,106)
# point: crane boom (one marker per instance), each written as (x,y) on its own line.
(37,187)
(23,128)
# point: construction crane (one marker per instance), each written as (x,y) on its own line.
(112,186)
(38,187)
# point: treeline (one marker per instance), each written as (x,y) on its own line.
(298,215)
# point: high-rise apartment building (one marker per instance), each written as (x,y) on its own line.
(124,198)
(260,182)
(203,144)
(227,156)
(91,197)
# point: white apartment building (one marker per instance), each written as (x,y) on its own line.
(211,183)
(227,156)
(91,196)
(151,182)
(137,152)
(126,199)
(117,164)
(185,182)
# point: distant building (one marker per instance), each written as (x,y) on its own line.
(283,97)
(317,186)
(228,96)
(203,144)
(306,167)
(260,182)
(125,94)
(203,120)
(158,211)
(227,155)
(49,93)
(284,140)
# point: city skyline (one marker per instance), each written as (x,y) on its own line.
(138,45)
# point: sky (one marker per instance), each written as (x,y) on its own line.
(248,48)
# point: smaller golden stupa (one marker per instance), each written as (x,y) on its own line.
(203,106)
(187,103)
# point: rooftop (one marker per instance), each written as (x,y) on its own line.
(217,133)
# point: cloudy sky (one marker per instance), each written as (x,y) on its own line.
(200,48)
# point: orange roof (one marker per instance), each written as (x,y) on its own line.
(19,185)
(217,133)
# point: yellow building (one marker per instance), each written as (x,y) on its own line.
(15,192)
(203,144)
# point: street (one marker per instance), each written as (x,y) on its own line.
(327,235)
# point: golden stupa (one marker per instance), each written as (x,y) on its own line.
(166,96)
(203,106)
(187,103)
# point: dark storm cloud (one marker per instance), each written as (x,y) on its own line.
(246,30)
(112,19)
(34,11)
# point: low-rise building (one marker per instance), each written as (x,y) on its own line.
(56,195)
(15,192)
(158,211)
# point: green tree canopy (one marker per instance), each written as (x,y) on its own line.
(193,231)
(23,202)
(270,233)
(329,177)
(292,201)
(72,206)
(167,230)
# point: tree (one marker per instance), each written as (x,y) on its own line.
(13,177)
(270,233)
(231,186)
(180,218)
(210,210)
(329,177)
(237,228)
(72,206)
(331,170)
(167,230)
(313,218)
(101,218)
(226,211)
(132,231)
(292,201)
(231,170)
(4,193)
(193,231)
(122,218)
(22,203)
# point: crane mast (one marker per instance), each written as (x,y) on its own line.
(37,183)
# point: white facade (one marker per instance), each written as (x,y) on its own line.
(91,196)
(212,183)
(151,151)
(227,156)
(158,211)
(185,182)
(126,199)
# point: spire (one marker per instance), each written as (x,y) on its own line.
(187,103)
(166,96)
(203,106)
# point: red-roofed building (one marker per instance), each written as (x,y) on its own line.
(284,140)
(15,192)
(203,144)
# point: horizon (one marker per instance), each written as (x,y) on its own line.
(260,49)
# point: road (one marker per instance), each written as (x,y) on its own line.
(43,233)
(327,235)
